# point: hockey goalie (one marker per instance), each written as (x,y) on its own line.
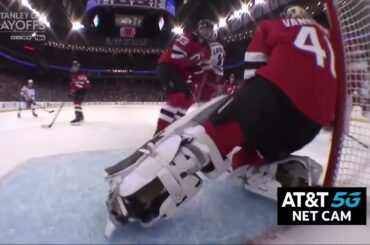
(289,96)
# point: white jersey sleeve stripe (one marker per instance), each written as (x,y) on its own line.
(218,71)
(198,72)
(177,56)
(249,73)
(255,57)
(178,49)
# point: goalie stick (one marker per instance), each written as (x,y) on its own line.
(55,117)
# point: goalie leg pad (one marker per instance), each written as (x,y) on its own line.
(216,164)
(165,180)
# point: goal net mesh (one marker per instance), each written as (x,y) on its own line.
(352,159)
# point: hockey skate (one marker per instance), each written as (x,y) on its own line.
(77,121)
(18,115)
(294,171)
(34,114)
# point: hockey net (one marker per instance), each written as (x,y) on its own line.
(349,162)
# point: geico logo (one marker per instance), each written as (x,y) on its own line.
(20,38)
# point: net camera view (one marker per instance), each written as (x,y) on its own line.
(184,121)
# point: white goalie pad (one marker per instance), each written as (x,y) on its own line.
(191,119)
(175,163)
(219,164)
(294,171)
(170,167)
(166,168)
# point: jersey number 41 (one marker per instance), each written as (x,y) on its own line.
(308,40)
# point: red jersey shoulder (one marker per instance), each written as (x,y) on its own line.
(186,54)
(80,80)
(79,76)
(282,26)
(186,38)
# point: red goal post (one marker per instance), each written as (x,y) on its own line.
(349,160)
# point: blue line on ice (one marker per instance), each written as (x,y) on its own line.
(61,199)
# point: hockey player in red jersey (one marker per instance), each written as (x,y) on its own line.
(176,64)
(288,97)
(206,82)
(78,87)
(230,86)
(296,88)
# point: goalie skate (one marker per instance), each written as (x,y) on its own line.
(294,171)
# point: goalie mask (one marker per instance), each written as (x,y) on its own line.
(295,11)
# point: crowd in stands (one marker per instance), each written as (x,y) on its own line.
(9,86)
(107,89)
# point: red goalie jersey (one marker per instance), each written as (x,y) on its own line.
(300,60)
(79,81)
(187,54)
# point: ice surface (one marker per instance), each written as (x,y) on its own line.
(61,199)
(106,128)
(52,187)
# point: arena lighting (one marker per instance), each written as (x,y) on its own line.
(102,49)
(222,23)
(178,30)
(42,17)
(26,4)
(260,2)
(76,25)
(238,13)
(161,23)
(96,20)
(245,7)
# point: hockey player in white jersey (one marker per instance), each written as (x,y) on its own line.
(27,98)
(217,57)
(206,84)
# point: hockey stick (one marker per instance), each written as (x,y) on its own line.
(55,117)
(358,141)
(41,107)
(44,108)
